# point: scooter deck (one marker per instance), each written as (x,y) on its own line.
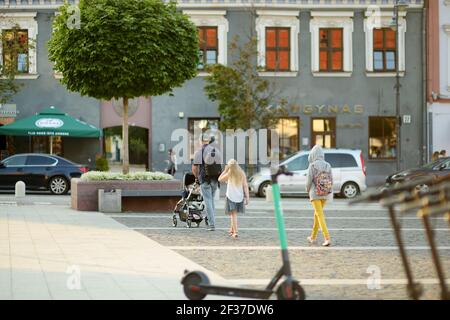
(236,292)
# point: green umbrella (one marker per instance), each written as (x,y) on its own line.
(51,122)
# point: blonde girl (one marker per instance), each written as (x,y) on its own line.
(237,193)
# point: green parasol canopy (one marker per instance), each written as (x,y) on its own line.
(51,122)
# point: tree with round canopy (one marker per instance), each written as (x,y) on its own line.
(109,49)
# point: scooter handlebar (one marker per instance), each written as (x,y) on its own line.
(281,170)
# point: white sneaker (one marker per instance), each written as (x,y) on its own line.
(327,243)
(311,240)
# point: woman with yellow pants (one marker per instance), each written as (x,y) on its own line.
(319,183)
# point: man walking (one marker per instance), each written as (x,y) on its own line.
(207,168)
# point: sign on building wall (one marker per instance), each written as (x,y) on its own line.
(8,111)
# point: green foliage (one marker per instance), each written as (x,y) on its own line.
(8,85)
(245,99)
(101,164)
(124,48)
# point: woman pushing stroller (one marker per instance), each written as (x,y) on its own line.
(237,195)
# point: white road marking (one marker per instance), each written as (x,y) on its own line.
(288,229)
(309,248)
(336,282)
(8,203)
(169,216)
(41,203)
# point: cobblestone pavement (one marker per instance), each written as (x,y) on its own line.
(361,240)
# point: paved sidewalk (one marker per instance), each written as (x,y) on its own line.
(46,252)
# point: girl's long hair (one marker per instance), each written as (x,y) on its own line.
(236,175)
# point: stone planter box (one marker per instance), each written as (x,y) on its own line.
(84,195)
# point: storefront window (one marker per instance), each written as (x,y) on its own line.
(382,138)
(137,146)
(323,132)
(40,145)
(57,146)
(196,127)
(288,133)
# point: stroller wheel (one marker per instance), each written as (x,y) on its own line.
(174,222)
(198,224)
(189,223)
(206,221)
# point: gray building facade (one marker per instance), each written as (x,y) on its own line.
(340,83)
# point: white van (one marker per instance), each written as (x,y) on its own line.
(349,174)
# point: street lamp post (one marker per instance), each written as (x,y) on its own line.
(400,5)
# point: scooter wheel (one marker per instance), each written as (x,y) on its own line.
(191,285)
(174,222)
(293,291)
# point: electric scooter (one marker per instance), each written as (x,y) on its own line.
(196,284)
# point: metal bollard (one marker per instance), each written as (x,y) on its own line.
(20,189)
(269,195)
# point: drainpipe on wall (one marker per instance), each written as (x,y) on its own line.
(425,146)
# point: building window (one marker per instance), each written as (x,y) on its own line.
(278,49)
(208,43)
(213,34)
(288,133)
(323,132)
(196,127)
(382,44)
(331,43)
(15,50)
(278,37)
(384,49)
(382,138)
(18,50)
(331,49)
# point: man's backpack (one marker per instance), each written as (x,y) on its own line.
(212,169)
(323,182)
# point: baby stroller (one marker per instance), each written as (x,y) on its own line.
(189,208)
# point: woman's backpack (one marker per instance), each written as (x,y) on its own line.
(323,182)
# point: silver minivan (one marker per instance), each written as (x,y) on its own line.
(349,174)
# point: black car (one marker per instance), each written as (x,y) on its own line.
(435,169)
(39,171)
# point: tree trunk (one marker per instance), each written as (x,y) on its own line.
(126,161)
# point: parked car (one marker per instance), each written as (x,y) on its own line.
(349,174)
(39,171)
(436,169)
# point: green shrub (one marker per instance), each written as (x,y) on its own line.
(101,164)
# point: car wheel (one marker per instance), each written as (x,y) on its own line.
(263,188)
(58,185)
(350,190)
